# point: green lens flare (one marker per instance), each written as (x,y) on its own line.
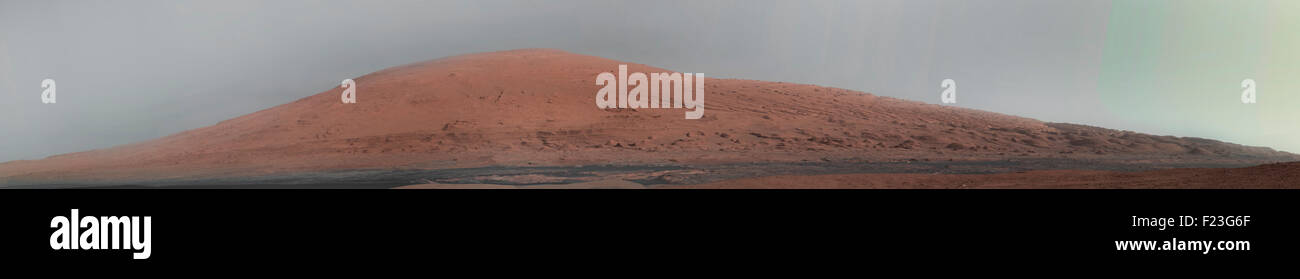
(1176,67)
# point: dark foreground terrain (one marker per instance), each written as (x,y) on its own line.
(1025,173)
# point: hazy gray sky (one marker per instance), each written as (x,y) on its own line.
(135,70)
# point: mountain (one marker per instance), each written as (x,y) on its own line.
(535,108)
